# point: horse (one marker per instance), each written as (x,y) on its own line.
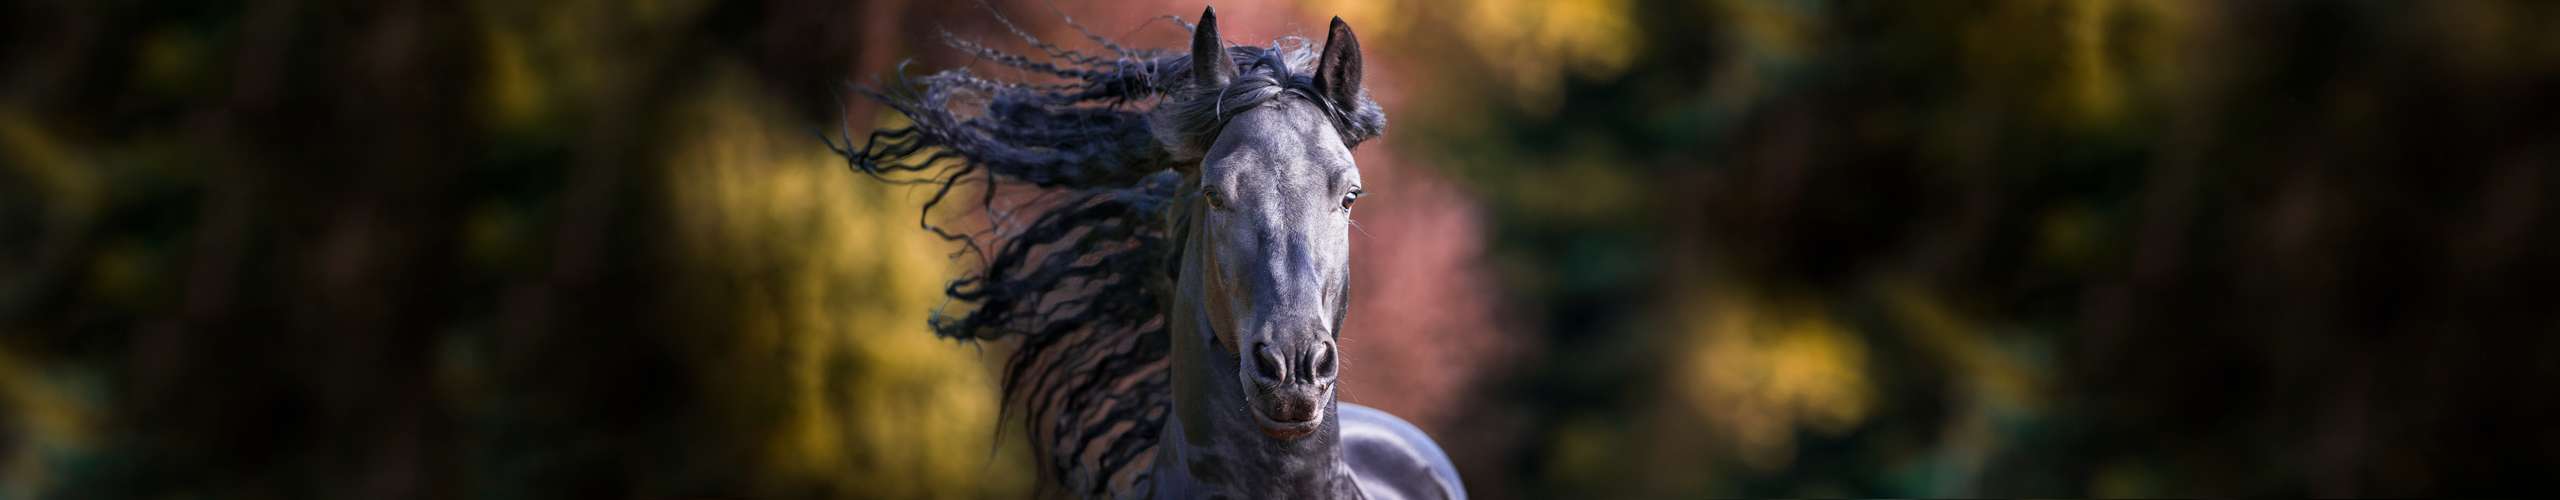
(1179,288)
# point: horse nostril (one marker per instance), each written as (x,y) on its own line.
(1324,363)
(1267,361)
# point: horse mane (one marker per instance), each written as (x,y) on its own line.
(1081,285)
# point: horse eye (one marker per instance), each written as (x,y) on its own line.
(1349,198)
(1215,200)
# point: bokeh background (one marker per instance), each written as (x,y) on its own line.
(1618,248)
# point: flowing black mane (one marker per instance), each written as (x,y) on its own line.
(1079,284)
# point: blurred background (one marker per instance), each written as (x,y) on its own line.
(1617,248)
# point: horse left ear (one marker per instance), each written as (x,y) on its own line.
(1338,68)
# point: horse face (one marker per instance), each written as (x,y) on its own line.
(1279,186)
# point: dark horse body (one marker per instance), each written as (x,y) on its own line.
(1202,270)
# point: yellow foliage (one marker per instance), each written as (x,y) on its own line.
(1758,369)
(2081,60)
(2001,378)
(39,411)
(515,96)
(1770,29)
(1530,44)
(56,171)
(1526,38)
(822,284)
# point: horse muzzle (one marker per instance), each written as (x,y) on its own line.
(1290,389)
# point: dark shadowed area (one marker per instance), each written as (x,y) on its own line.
(1611,248)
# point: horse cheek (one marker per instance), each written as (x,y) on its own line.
(1222,322)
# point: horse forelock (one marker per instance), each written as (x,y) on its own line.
(1192,117)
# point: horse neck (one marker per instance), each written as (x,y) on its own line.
(1211,446)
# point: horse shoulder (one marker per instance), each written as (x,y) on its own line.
(1392,459)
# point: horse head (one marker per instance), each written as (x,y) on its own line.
(1276,185)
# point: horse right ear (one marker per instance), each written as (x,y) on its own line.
(1338,66)
(1210,68)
